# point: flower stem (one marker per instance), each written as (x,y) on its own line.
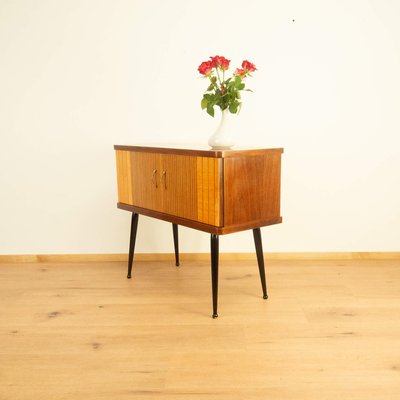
(219,79)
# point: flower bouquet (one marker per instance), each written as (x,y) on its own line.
(224,93)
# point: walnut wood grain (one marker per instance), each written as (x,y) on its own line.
(252,189)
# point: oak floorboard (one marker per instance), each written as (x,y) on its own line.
(329,330)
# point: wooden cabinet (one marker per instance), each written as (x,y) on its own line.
(216,191)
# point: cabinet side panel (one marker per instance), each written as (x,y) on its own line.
(252,188)
(209,190)
(124,178)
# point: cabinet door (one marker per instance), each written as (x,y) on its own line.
(145,175)
(184,186)
(178,185)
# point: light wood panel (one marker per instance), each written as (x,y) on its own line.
(178,185)
(145,175)
(209,191)
(330,330)
(184,186)
(124,177)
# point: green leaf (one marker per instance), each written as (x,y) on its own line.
(237,81)
(210,110)
(204,103)
(233,107)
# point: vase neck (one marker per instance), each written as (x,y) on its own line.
(224,113)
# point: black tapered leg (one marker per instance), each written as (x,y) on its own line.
(176,243)
(214,272)
(134,224)
(260,259)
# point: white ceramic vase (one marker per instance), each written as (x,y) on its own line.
(221,139)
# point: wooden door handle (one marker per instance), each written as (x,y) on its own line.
(164,178)
(154,178)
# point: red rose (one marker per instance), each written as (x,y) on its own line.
(205,67)
(248,66)
(240,72)
(221,62)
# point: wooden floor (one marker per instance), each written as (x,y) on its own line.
(330,330)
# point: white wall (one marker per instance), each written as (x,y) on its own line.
(77,76)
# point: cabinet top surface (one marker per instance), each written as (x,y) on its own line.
(196,150)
